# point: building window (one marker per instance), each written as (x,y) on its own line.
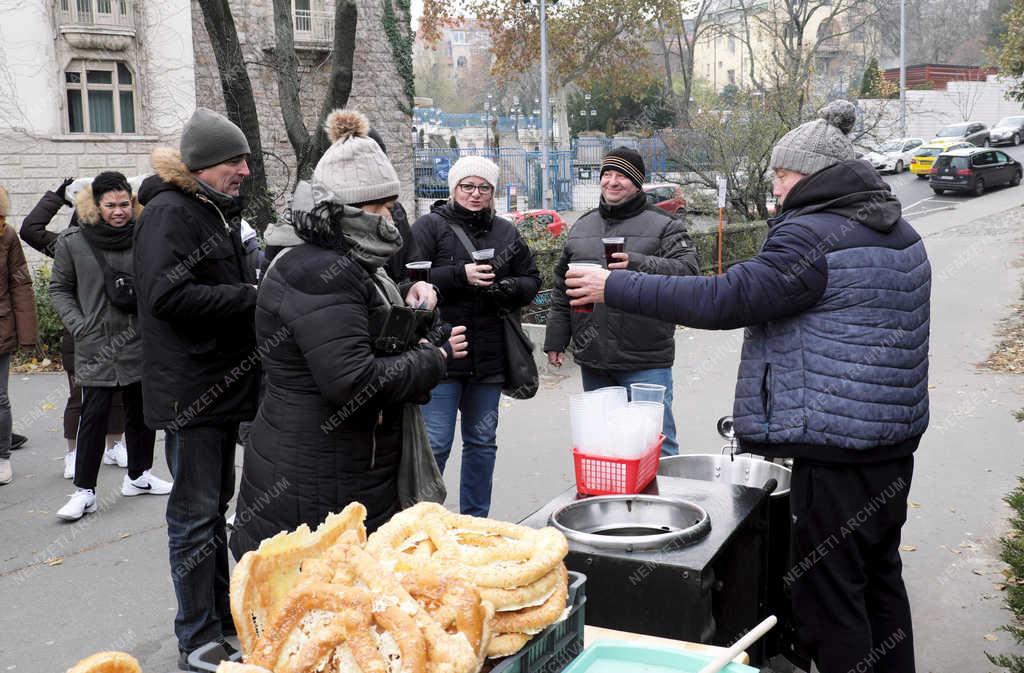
(731,74)
(732,44)
(459,37)
(461,62)
(100,97)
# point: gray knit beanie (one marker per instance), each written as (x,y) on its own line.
(818,144)
(354,168)
(209,138)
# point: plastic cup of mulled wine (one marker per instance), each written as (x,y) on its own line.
(418,271)
(482,257)
(613,245)
(584,308)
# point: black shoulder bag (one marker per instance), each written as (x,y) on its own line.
(521,378)
(118,285)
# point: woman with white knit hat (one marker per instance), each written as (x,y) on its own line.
(474,293)
(343,378)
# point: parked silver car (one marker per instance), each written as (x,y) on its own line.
(894,155)
(972,132)
(1008,130)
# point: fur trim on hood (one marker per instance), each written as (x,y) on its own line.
(5,204)
(167,164)
(89,212)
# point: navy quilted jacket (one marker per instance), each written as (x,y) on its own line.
(836,305)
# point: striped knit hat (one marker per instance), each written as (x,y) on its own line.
(625,161)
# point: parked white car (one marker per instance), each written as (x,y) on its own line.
(894,155)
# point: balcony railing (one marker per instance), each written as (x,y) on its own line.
(97,13)
(313,27)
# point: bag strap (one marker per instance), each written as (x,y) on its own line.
(463,237)
(279,255)
(100,259)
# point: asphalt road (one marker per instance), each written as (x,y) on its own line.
(919,200)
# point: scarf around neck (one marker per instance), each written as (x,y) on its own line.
(230,206)
(624,210)
(319,218)
(106,237)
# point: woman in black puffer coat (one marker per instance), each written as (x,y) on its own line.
(329,429)
(475,296)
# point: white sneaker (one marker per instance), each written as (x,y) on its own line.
(83,501)
(147,483)
(116,455)
(6,474)
(69,465)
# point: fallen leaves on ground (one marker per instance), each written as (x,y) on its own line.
(908,547)
(54,561)
(991,637)
(1008,356)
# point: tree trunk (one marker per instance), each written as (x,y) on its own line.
(340,84)
(240,104)
(288,82)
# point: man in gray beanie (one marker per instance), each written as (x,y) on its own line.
(833,373)
(197,300)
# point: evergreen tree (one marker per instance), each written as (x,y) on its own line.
(869,83)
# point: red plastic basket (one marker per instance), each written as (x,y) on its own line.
(599,475)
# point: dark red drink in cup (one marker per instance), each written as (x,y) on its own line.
(613,245)
(418,271)
(584,308)
(482,257)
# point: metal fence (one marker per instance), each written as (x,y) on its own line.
(574,173)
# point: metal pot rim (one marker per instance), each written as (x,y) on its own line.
(630,543)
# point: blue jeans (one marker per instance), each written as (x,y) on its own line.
(478,403)
(202,463)
(601,378)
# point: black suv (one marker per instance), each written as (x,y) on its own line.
(972,170)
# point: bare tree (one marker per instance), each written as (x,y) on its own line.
(239,102)
(309,147)
(687,24)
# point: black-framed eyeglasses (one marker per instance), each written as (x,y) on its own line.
(469,188)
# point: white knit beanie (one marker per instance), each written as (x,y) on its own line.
(354,167)
(478,166)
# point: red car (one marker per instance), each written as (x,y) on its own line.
(667,196)
(549,219)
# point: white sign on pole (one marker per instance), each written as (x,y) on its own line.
(721,192)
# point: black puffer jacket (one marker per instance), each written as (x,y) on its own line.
(463,304)
(329,428)
(196,304)
(608,338)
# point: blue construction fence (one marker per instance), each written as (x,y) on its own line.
(574,173)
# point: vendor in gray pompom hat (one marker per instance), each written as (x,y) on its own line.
(833,373)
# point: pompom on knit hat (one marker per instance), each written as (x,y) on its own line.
(465,167)
(354,168)
(818,144)
(625,161)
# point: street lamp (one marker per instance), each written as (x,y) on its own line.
(583,112)
(516,110)
(487,122)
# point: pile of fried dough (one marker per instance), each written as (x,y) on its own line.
(429,592)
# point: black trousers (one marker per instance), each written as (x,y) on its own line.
(849,600)
(92,432)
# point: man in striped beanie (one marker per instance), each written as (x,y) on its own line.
(611,347)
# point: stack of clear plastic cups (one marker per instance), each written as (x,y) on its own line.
(587,420)
(627,432)
(647,392)
(654,419)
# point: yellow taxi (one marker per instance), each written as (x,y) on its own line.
(925,155)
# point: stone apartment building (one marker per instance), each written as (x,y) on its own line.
(377,88)
(739,38)
(89,85)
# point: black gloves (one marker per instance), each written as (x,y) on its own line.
(503,290)
(62,190)
(439,335)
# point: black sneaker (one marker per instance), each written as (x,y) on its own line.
(18,441)
(211,654)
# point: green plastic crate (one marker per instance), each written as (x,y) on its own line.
(612,657)
(554,648)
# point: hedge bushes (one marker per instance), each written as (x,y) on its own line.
(51,330)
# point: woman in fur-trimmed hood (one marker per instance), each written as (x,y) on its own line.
(340,400)
(17,321)
(93,291)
